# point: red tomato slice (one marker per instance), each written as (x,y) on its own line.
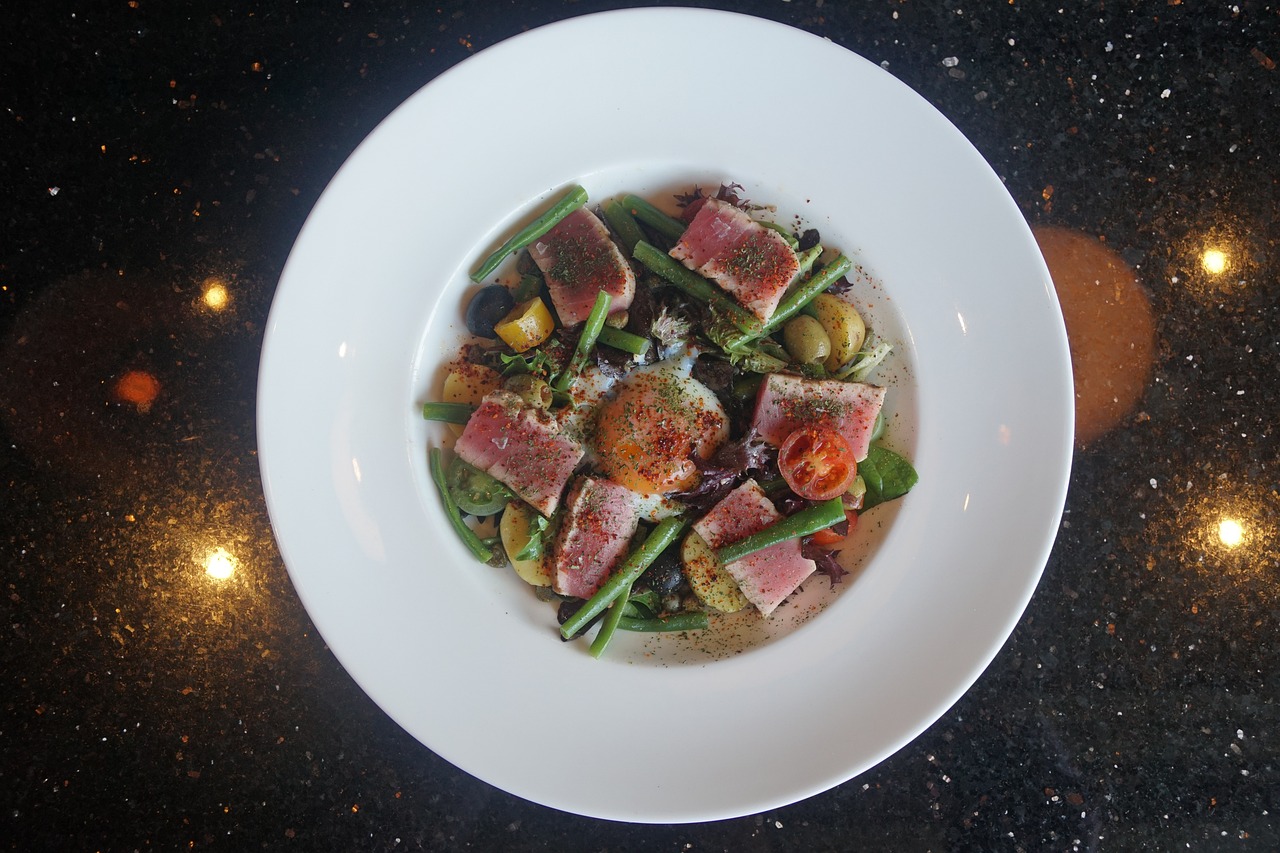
(817,463)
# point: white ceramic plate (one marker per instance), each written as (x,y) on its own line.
(462,655)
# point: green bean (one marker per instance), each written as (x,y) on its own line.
(610,623)
(571,201)
(807,258)
(481,551)
(809,520)
(783,230)
(667,226)
(625,575)
(625,341)
(450,413)
(622,223)
(803,294)
(696,286)
(590,331)
(674,622)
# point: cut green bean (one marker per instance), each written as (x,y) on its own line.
(805,292)
(625,341)
(571,201)
(807,258)
(610,623)
(810,520)
(674,622)
(590,332)
(696,286)
(664,224)
(783,230)
(622,223)
(450,413)
(625,575)
(472,540)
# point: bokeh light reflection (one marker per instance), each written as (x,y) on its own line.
(220,564)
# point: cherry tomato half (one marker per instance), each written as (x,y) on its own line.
(828,536)
(817,463)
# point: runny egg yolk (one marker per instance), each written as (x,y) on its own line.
(646,434)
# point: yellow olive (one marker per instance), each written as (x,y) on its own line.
(805,339)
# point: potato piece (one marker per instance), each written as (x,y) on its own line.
(843,325)
(468,383)
(514,530)
(709,581)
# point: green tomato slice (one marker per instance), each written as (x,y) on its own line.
(474,491)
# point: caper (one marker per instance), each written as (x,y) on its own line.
(487,308)
(532,390)
(805,339)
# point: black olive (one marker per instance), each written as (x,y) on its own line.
(487,308)
(809,239)
(664,576)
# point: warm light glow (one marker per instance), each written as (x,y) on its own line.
(1231,532)
(219,564)
(139,388)
(215,295)
(1214,261)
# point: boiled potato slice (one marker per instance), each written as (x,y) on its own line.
(468,383)
(710,582)
(514,530)
(843,325)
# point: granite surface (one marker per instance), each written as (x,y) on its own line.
(157,161)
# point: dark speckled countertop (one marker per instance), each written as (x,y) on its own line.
(158,159)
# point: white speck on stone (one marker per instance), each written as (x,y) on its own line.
(950,61)
(1153,482)
(1011,42)
(1110,47)
(778,824)
(54,190)
(1239,734)
(1166,93)
(1240,393)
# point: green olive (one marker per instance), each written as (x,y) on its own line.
(534,391)
(805,339)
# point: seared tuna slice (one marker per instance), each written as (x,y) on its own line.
(578,259)
(766,577)
(600,519)
(522,446)
(785,403)
(753,263)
